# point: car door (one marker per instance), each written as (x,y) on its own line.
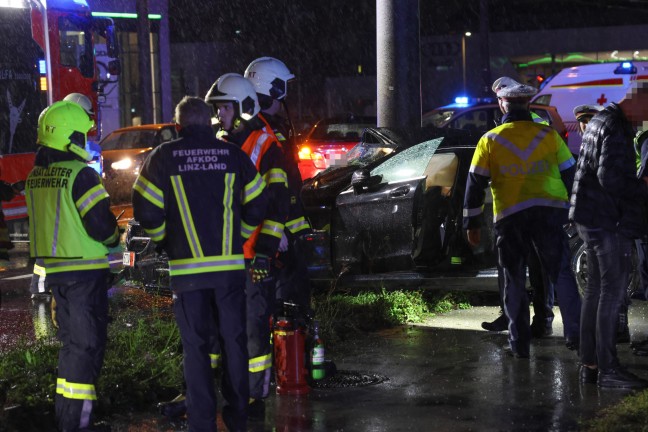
(373,226)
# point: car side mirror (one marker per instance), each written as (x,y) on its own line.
(362,179)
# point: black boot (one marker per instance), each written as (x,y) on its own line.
(174,408)
(500,324)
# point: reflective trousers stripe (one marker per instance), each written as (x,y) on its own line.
(75,390)
(214,359)
(261,363)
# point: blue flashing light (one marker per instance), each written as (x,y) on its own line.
(461,100)
(42,67)
(625,67)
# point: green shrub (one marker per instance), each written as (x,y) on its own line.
(142,363)
(344,314)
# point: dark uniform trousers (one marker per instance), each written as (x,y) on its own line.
(200,314)
(569,301)
(538,228)
(293,282)
(82,315)
(260,302)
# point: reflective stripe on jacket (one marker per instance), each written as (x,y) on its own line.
(56,230)
(266,154)
(195,196)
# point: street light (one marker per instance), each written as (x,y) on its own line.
(463,58)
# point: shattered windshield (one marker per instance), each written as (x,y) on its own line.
(409,163)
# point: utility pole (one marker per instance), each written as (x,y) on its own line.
(398,67)
(484,34)
(144,63)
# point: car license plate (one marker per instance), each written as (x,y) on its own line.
(129,259)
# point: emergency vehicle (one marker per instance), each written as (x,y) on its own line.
(595,84)
(47,50)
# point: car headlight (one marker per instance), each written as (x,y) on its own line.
(122,164)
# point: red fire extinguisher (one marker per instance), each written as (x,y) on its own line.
(289,351)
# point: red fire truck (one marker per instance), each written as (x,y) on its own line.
(46,52)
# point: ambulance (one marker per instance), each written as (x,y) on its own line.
(596,84)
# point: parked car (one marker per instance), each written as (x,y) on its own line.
(482,115)
(124,150)
(328,141)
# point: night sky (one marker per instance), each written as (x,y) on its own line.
(330,38)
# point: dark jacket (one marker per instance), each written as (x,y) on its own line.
(192,196)
(270,163)
(607,193)
(296,223)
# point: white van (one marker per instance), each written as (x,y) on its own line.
(588,84)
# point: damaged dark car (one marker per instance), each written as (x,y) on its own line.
(394,212)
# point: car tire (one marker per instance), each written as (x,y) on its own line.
(579,266)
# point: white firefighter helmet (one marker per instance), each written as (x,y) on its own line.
(269,76)
(81,100)
(233,87)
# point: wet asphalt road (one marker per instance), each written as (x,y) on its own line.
(443,375)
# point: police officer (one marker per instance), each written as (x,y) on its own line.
(543,296)
(195,197)
(270,79)
(71,228)
(523,161)
(237,107)
(584,113)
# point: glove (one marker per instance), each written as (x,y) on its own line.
(283,244)
(260,268)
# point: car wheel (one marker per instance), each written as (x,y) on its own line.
(579,267)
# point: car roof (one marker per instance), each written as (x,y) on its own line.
(349,119)
(155,126)
(485,104)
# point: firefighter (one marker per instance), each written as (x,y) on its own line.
(198,198)
(270,79)
(38,287)
(237,109)
(71,228)
(528,166)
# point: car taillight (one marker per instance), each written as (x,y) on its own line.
(304,153)
(318,160)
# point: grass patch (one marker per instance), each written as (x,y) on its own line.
(631,414)
(342,315)
(143,361)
